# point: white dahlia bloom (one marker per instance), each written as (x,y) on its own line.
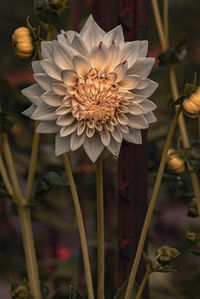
(92,89)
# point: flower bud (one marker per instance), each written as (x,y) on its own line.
(166,254)
(191,105)
(22,43)
(191,236)
(175,163)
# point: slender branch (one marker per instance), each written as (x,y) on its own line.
(166,21)
(33,161)
(80,226)
(151,206)
(5,177)
(159,24)
(100,229)
(142,285)
(25,220)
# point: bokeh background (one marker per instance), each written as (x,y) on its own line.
(54,223)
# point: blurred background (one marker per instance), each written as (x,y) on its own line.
(54,223)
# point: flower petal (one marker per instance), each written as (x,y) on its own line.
(143,48)
(46,49)
(81,65)
(66,37)
(137,121)
(135,109)
(76,141)
(150,117)
(117,134)
(65,120)
(65,131)
(47,127)
(69,77)
(142,67)
(149,90)
(105,137)
(121,70)
(44,112)
(44,81)
(93,147)
(51,99)
(79,46)
(62,56)
(33,93)
(114,147)
(28,112)
(62,110)
(130,52)
(134,136)
(36,66)
(51,69)
(62,145)
(115,34)
(99,57)
(59,89)
(130,82)
(148,106)
(113,57)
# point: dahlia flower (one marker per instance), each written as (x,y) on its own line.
(91,89)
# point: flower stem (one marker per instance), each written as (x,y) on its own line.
(166,21)
(33,162)
(25,220)
(5,177)
(100,229)
(80,226)
(142,285)
(151,206)
(174,88)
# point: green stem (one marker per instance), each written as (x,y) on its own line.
(5,177)
(25,220)
(33,161)
(151,206)
(100,229)
(142,285)
(80,226)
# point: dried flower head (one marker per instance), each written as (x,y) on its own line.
(22,43)
(92,90)
(175,162)
(191,105)
(166,254)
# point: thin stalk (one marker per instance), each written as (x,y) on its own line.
(142,285)
(25,220)
(151,206)
(100,229)
(33,161)
(80,226)
(5,177)
(166,21)
(175,93)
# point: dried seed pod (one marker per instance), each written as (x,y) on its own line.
(22,43)
(191,105)
(166,254)
(175,163)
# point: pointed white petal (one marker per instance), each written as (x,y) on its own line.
(134,136)
(28,112)
(117,134)
(44,112)
(99,57)
(130,52)
(121,70)
(62,56)
(114,147)
(137,121)
(79,46)
(62,145)
(91,33)
(130,82)
(150,117)
(93,147)
(46,49)
(47,127)
(149,90)
(59,89)
(69,77)
(76,141)
(65,38)
(113,57)
(148,106)
(115,34)
(33,93)
(143,48)
(142,67)
(51,99)
(105,137)
(36,67)
(122,119)
(81,65)
(65,120)
(44,81)
(62,110)
(51,69)
(135,109)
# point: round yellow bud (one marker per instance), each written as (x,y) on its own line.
(22,43)
(175,163)
(191,105)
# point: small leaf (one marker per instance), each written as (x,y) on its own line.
(73,294)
